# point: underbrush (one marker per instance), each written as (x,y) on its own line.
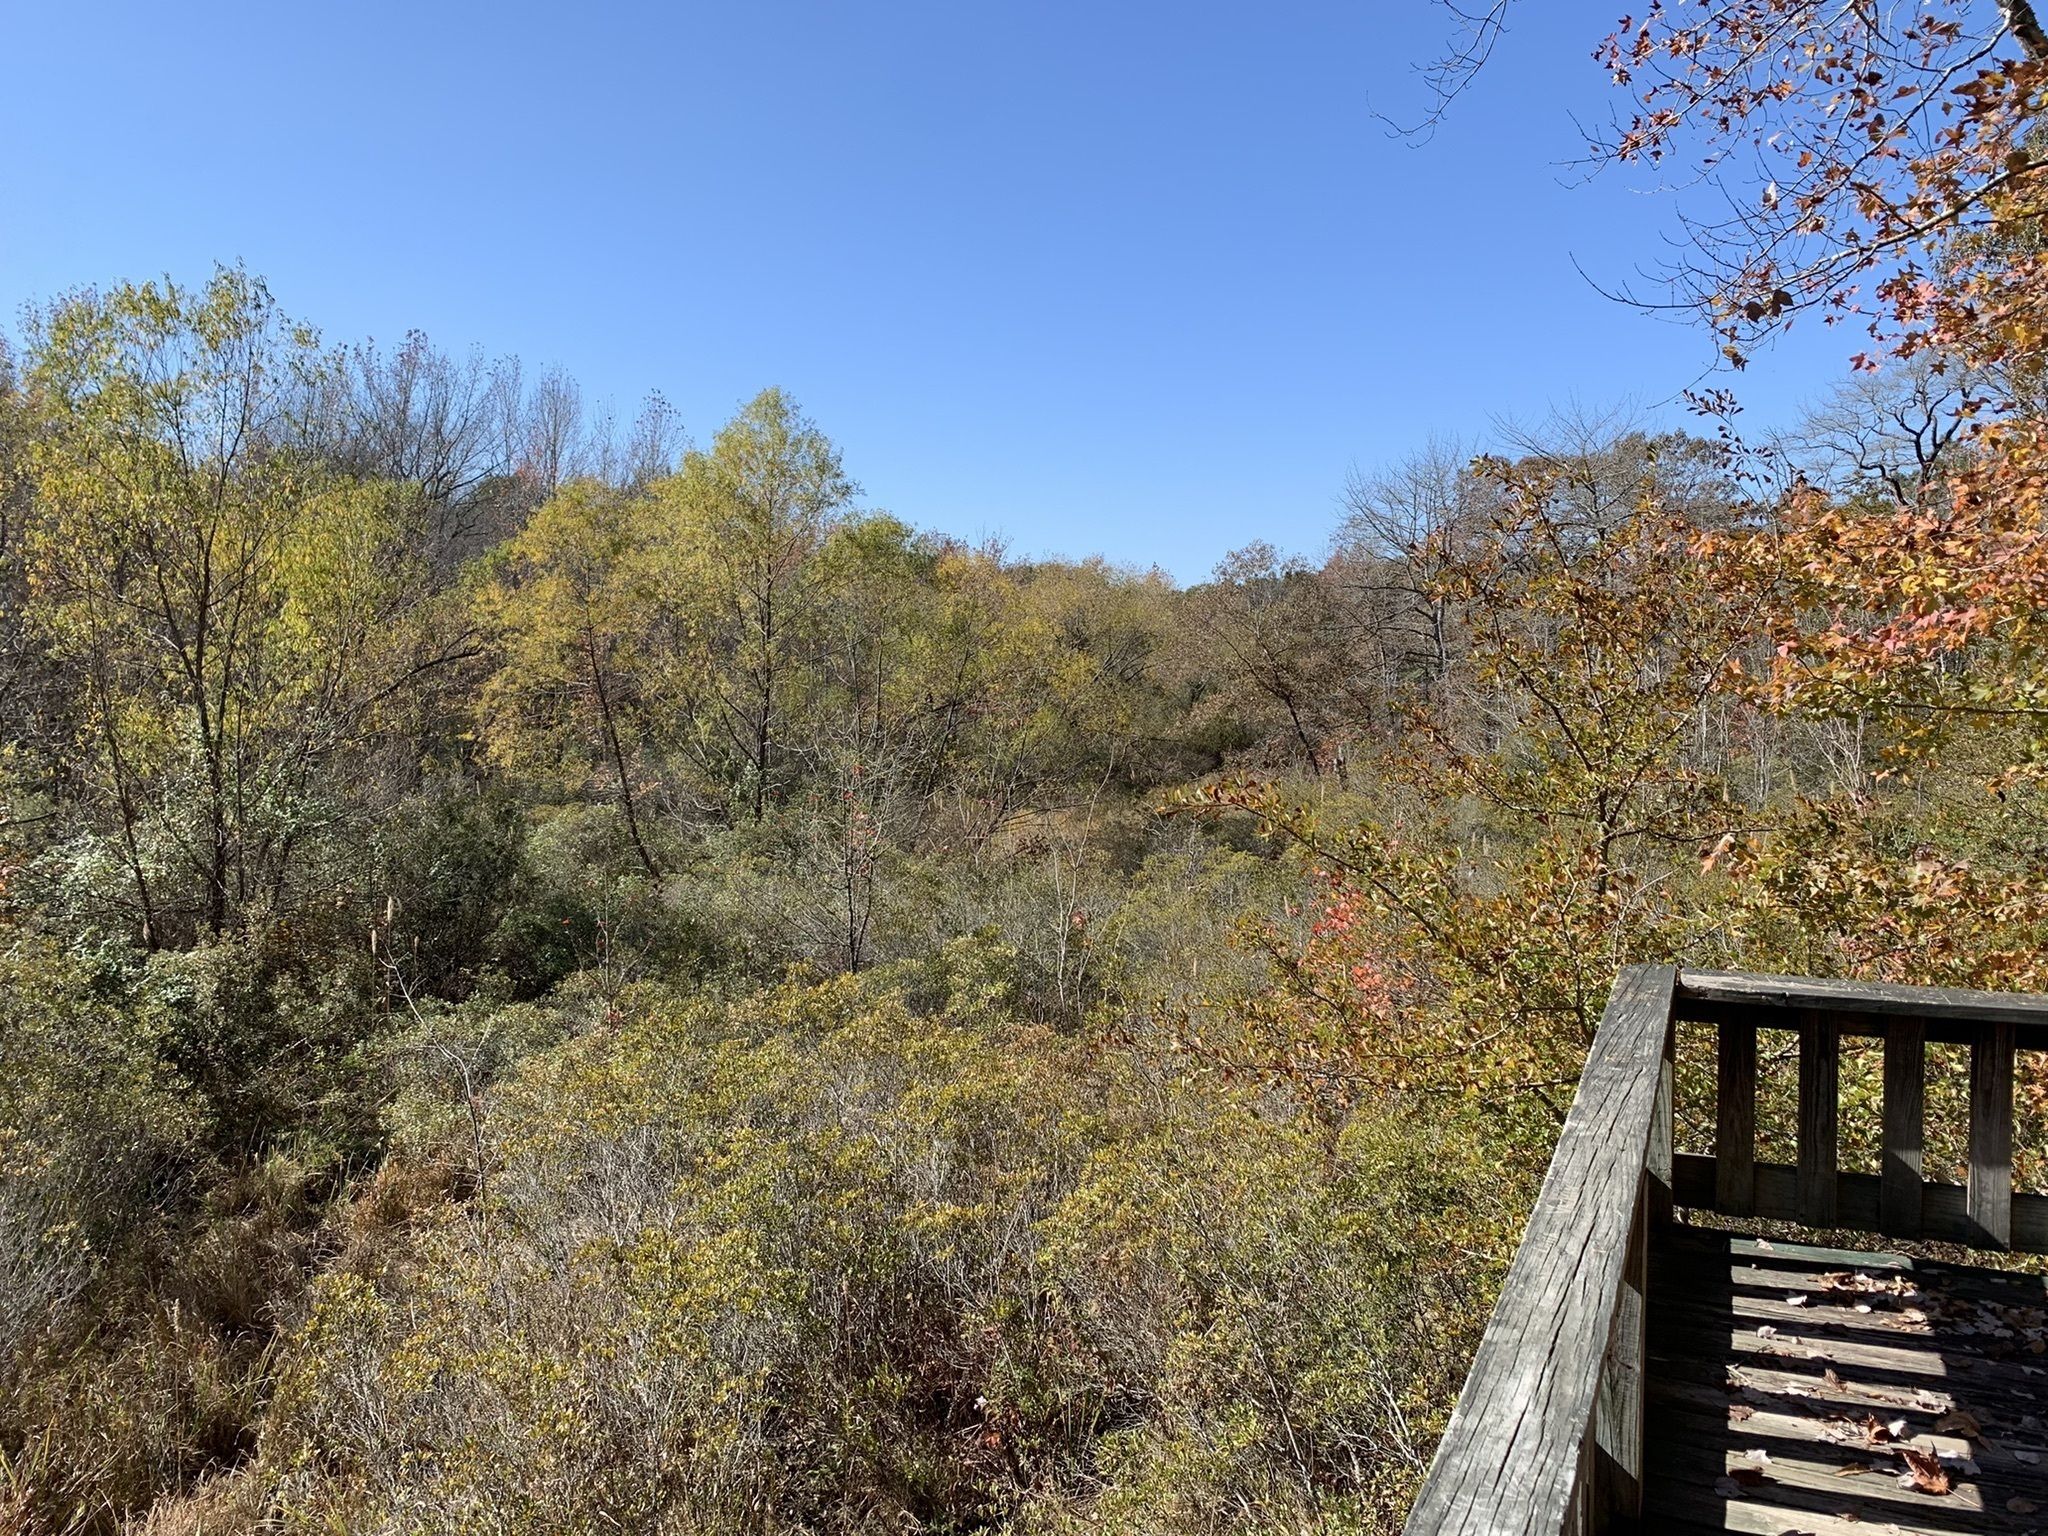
(816,1260)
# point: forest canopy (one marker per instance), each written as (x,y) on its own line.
(559,976)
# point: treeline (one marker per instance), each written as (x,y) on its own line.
(552,978)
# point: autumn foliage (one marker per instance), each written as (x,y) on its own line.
(550,981)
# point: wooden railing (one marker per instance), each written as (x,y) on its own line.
(1547,1438)
(1548,1433)
(1899,1201)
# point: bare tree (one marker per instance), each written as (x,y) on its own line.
(550,443)
(1894,431)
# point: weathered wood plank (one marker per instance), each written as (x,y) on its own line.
(1618,1419)
(1735,1120)
(1858,1202)
(1990,1187)
(1854,1022)
(1658,1199)
(1820,1066)
(1762,1384)
(1863,996)
(1514,1458)
(1797,1483)
(1905,1100)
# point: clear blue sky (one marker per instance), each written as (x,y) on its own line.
(1141,279)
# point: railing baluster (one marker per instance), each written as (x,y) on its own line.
(1905,1100)
(1820,1066)
(1989,1199)
(1735,1121)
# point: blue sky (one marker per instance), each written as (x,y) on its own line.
(1136,279)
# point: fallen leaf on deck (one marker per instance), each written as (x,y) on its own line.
(2021,1506)
(1958,1422)
(1868,1430)
(1924,1471)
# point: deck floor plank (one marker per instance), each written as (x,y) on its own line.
(1775,1416)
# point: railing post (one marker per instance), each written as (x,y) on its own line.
(1820,1066)
(1905,1100)
(1989,1198)
(1618,1424)
(1735,1120)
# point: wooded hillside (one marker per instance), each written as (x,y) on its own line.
(566,976)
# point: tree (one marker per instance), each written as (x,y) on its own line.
(746,522)
(1272,630)
(1399,526)
(572,606)
(232,616)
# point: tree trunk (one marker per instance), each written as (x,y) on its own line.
(618,755)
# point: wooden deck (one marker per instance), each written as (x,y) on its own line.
(1640,1372)
(1800,1389)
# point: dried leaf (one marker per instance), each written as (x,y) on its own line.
(1924,1471)
(1959,1422)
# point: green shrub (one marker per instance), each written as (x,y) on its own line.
(811,1259)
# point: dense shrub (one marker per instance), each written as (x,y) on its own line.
(815,1259)
(90,1120)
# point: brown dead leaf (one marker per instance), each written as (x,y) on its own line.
(1958,1421)
(1869,1430)
(1737,1412)
(1924,1471)
(2020,1506)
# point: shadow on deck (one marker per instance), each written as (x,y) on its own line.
(1788,1384)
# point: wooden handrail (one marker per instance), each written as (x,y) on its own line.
(1547,1438)
(1548,1435)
